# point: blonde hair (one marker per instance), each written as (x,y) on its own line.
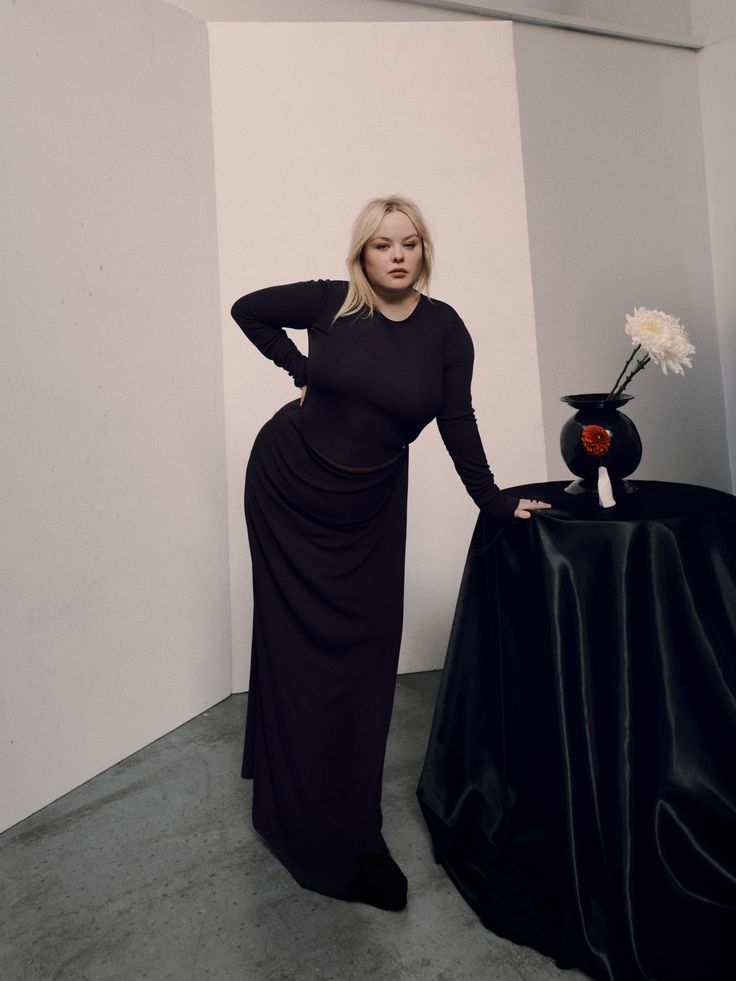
(360,294)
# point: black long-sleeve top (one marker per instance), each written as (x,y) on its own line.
(375,383)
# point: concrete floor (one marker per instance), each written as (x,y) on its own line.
(152,871)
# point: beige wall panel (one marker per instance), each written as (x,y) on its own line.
(114,593)
(618,218)
(312,120)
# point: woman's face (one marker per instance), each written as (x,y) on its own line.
(392,256)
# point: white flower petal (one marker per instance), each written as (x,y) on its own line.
(663,338)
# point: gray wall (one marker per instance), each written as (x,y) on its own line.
(315,10)
(114,588)
(666,19)
(115,606)
(618,218)
(661,19)
(716,19)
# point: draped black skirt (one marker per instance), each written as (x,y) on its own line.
(327,548)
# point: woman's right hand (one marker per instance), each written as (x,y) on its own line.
(304,392)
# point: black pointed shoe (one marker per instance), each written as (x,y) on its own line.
(380,882)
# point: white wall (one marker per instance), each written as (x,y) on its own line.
(717,74)
(302,141)
(618,218)
(667,20)
(115,575)
(114,586)
(713,20)
(315,10)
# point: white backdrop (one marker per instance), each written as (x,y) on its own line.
(618,217)
(312,120)
(114,594)
(717,78)
(115,550)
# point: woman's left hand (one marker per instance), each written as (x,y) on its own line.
(525,508)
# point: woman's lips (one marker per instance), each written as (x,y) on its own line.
(398,272)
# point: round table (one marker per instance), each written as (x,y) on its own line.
(580,780)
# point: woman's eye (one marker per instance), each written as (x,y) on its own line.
(411,245)
(381,245)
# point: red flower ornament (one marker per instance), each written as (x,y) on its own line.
(596,440)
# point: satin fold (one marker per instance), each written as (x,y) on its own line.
(580,780)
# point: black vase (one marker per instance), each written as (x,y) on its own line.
(598,435)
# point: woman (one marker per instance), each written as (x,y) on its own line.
(325,505)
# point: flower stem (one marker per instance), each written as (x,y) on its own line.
(623,372)
(640,365)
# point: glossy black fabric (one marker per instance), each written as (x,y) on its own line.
(580,781)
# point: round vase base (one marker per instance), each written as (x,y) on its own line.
(586,488)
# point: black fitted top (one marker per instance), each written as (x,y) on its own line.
(375,383)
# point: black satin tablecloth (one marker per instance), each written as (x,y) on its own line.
(580,781)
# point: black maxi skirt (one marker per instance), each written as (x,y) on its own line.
(327,549)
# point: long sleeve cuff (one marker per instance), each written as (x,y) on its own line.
(501,506)
(300,373)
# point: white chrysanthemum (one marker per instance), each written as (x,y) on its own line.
(663,338)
